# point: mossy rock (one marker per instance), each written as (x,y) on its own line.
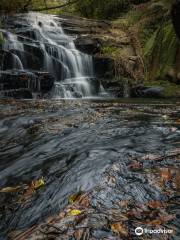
(170,90)
(1,39)
(160,51)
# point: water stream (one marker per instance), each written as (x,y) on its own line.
(72,69)
(70,144)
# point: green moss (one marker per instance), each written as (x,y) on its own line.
(110,50)
(133,16)
(170,89)
(1,38)
(160,51)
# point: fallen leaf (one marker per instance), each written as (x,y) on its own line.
(119,229)
(38,183)
(78,234)
(177,182)
(74,197)
(135,165)
(155,222)
(167,217)
(74,212)
(84,201)
(10,189)
(178,121)
(35,185)
(165,174)
(155,204)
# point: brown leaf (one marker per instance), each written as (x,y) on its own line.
(74,197)
(155,222)
(178,121)
(165,174)
(10,189)
(78,234)
(135,165)
(119,229)
(84,201)
(177,182)
(167,217)
(163,218)
(155,204)
(27,194)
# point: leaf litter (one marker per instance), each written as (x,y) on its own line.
(117,205)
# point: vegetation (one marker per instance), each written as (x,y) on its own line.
(1,38)
(102,9)
(147,21)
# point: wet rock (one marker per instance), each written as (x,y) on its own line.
(34,50)
(46,81)
(147,92)
(114,91)
(173,76)
(95,86)
(41,82)
(9,60)
(100,234)
(104,67)
(175,13)
(16,79)
(27,32)
(88,45)
(17,94)
(29,60)
(78,26)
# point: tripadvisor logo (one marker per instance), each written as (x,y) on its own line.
(140,231)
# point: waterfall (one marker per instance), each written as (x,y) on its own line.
(17,64)
(72,69)
(59,50)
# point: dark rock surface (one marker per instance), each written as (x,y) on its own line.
(88,45)
(146,92)
(175,13)
(104,67)
(39,82)
(16,93)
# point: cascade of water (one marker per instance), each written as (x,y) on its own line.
(17,64)
(12,42)
(60,49)
(72,69)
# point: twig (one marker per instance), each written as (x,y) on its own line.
(55,7)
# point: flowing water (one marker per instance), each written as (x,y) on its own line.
(70,144)
(72,69)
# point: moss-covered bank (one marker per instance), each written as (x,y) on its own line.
(155,42)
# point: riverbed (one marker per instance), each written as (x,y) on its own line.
(71,143)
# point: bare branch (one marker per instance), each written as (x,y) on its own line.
(55,7)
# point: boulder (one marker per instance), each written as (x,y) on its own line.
(88,45)
(11,60)
(16,93)
(34,50)
(113,87)
(77,25)
(175,14)
(16,59)
(146,92)
(173,76)
(46,81)
(34,81)
(104,67)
